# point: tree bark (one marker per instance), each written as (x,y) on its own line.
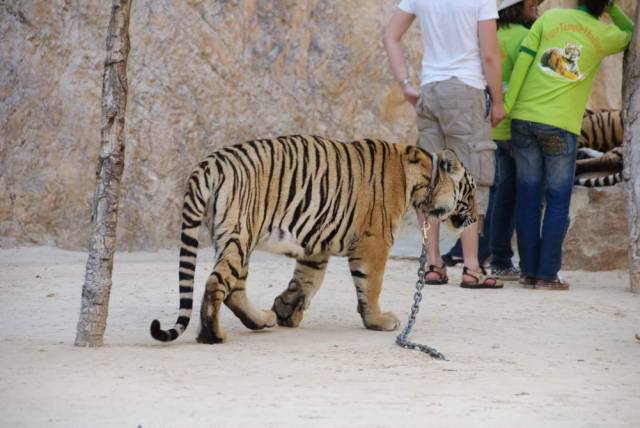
(97,283)
(631,149)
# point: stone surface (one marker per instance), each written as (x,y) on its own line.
(202,74)
(597,238)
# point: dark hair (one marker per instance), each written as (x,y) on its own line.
(596,7)
(513,15)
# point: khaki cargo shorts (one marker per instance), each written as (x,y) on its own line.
(456,116)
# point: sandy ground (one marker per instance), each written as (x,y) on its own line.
(516,357)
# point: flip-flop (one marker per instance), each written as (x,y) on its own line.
(481,279)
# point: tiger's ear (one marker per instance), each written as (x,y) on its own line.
(447,161)
(414,154)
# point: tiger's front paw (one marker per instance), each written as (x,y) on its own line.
(383,322)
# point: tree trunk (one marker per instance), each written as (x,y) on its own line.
(631,171)
(97,283)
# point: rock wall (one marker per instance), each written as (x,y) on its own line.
(202,74)
(597,238)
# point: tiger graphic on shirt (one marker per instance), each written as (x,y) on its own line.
(562,62)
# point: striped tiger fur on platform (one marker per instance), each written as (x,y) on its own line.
(599,143)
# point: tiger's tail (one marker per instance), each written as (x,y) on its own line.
(196,198)
(607,180)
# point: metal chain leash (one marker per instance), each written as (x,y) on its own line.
(417,297)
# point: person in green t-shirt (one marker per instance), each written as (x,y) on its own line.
(514,20)
(548,92)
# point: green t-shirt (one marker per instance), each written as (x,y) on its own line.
(509,39)
(560,56)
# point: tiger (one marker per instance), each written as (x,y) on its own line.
(308,198)
(607,180)
(602,130)
(599,148)
(563,61)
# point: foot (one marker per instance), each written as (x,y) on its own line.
(528,281)
(436,275)
(557,284)
(506,274)
(474,279)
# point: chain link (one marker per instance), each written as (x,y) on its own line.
(417,297)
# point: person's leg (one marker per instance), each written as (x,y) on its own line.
(433,247)
(469,239)
(529,167)
(473,273)
(559,150)
(455,254)
(430,138)
(502,210)
(436,272)
(484,240)
(476,277)
(465,123)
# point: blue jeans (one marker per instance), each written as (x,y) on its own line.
(503,194)
(495,240)
(545,167)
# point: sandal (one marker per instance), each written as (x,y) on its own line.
(481,279)
(528,281)
(441,271)
(556,284)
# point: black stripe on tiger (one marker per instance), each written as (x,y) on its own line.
(602,130)
(312,264)
(305,196)
(358,274)
(607,180)
(195,201)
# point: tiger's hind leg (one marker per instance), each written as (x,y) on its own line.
(290,305)
(367,264)
(219,285)
(216,290)
(238,302)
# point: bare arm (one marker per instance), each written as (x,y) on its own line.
(398,25)
(492,66)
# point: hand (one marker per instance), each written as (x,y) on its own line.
(497,114)
(410,94)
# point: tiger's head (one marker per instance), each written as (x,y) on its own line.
(453,194)
(466,210)
(572,52)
